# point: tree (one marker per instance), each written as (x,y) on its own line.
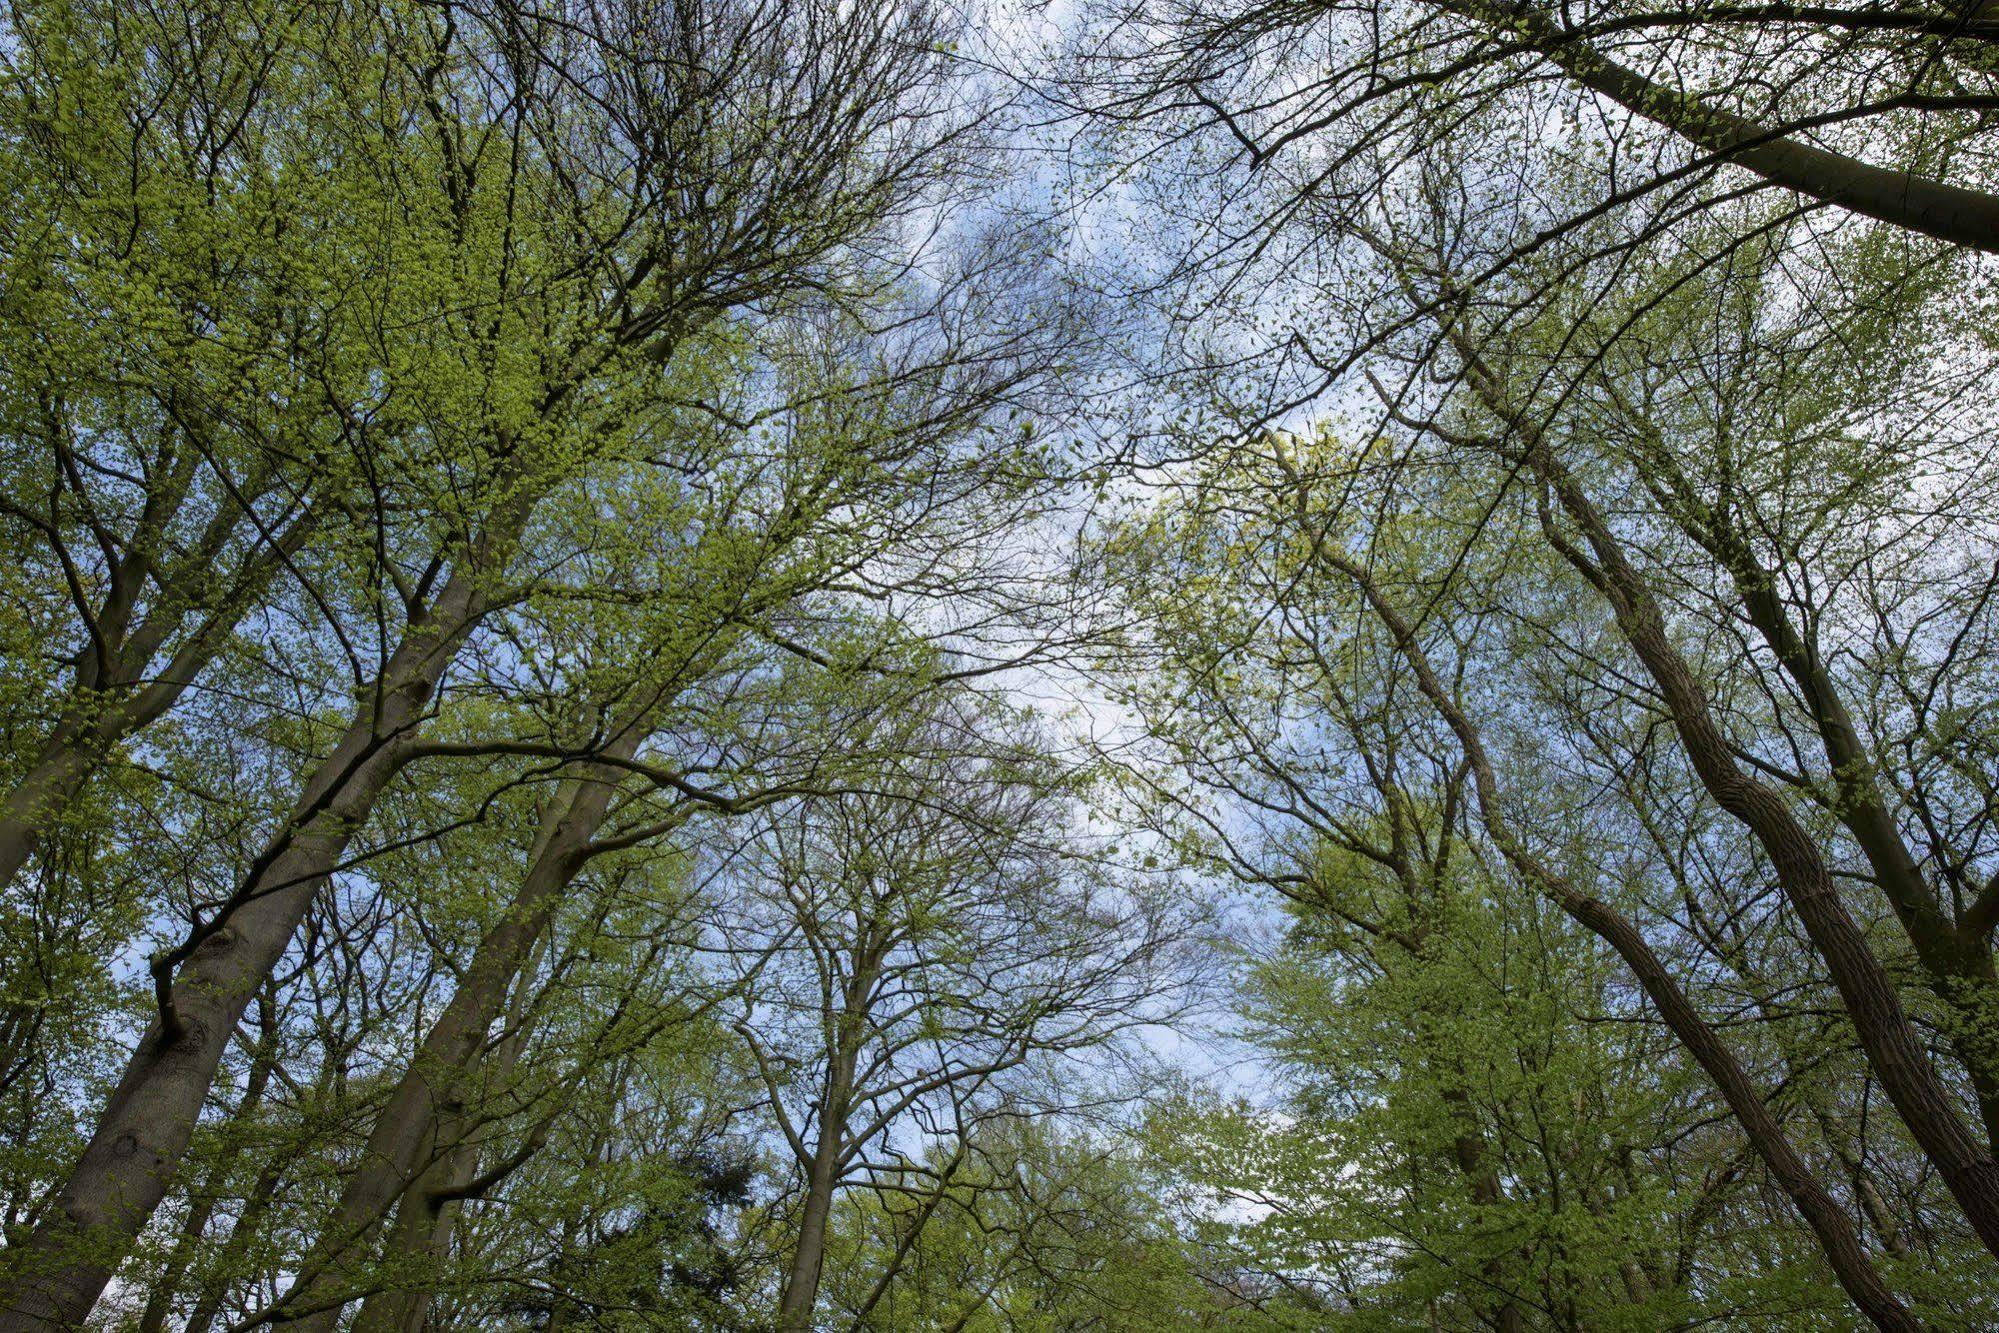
(584,275)
(1256,696)
(918,946)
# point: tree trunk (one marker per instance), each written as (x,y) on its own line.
(153,1319)
(1894,1048)
(1902,198)
(41,794)
(432,1084)
(141,1137)
(1958,960)
(1829,1223)
(822,1173)
(801,1283)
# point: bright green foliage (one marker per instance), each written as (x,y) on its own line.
(1473,1118)
(1026,1228)
(639,638)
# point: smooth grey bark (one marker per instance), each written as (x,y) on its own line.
(159,1303)
(58,1274)
(808,1256)
(433,1083)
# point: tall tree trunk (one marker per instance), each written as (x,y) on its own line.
(1838,1240)
(1894,1049)
(1956,954)
(432,1085)
(418,1245)
(143,1133)
(822,1172)
(808,1256)
(48,786)
(153,1319)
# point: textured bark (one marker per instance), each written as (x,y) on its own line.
(1838,1240)
(61,1270)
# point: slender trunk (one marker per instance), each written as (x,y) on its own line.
(906,1240)
(432,1084)
(801,1284)
(1837,1238)
(1958,960)
(1894,1049)
(215,1289)
(1878,1213)
(822,1172)
(60,1271)
(419,1244)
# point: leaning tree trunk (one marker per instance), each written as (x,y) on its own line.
(1894,1049)
(58,1273)
(1901,198)
(1838,1240)
(201,1211)
(1955,953)
(408,1121)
